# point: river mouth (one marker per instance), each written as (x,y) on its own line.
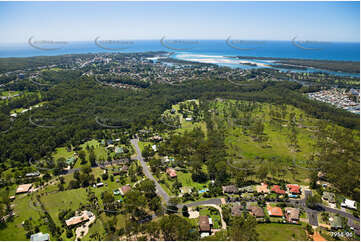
(245,63)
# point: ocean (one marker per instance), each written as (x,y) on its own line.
(207,51)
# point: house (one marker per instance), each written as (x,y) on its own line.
(185,190)
(263,188)
(349,204)
(40,237)
(156,138)
(248,189)
(256,211)
(277,189)
(154,147)
(124,189)
(336,222)
(231,189)
(329,196)
(189,119)
(32,174)
(12,198)
(83,217)
(171,172)
(274,211)
(237,210)
(100,184)
(70,161)
(125,169)
(292,215)
(23,188)
(116,192)
(204,226)
(118,150)
(294,189)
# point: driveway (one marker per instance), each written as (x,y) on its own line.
(312,218)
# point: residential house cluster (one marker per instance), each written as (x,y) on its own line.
(339,98)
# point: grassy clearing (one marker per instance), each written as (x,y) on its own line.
(55,202)
(13,230)
(281,232)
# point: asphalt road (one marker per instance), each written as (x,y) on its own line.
(147,172)
(312,214)
(215,201)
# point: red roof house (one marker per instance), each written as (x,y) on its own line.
(277,189)
(294,188)
(171,172)
(274,211)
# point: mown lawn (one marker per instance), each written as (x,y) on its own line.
(55,202)
(281,232)
(13,230)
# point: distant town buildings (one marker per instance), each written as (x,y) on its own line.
(348,100)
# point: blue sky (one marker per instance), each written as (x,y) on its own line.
(68,21)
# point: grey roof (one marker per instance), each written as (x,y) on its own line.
(329,196)
(247,189)
(40,237)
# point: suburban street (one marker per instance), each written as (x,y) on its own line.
(312,214)
(147,172)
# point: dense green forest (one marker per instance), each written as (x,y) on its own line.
(74,104)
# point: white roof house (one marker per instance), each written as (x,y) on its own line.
(154,147)
(349,204)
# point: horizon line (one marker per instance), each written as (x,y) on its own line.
(200,39)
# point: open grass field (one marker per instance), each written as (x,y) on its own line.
(101,152)
(19,110)
(13,230)
(281,232)
(54,202)
(275,150)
